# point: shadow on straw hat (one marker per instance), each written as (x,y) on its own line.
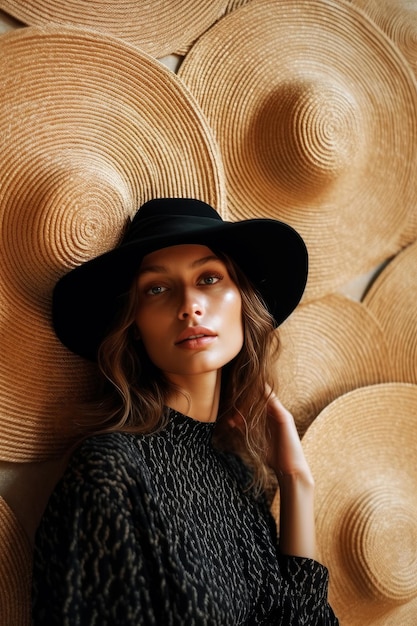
(315,111)
(328,347)
(362,450)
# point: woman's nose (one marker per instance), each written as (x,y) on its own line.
(191,304)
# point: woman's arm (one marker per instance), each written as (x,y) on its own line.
(296,483)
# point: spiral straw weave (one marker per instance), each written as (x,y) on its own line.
(159,27)
(328,347)
(362,450)
(315,112)
(398,19)
(91,128)
(392,299)
(15,570)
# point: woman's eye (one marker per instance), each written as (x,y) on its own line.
(210,279)
(155,290)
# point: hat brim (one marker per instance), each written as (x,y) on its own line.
(271,254)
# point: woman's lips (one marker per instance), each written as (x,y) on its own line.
(194,336)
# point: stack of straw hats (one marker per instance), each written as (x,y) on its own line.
(303,111)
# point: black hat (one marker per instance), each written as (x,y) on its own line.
(271,254)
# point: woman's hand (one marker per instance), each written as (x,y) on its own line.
(285,454)
(286,458)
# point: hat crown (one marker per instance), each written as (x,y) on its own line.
(155,216)
(382,513)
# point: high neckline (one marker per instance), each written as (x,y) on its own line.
(189,428)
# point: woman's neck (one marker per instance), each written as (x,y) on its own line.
(197,396)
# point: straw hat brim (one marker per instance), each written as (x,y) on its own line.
(15,569)
(392,300)
(328,347)
(315,112)
(362,450)
(159,27)
(399,21)
(92,128)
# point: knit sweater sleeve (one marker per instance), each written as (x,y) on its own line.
(304,594)
(307,586)
(106,565)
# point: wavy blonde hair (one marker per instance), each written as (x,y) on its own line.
(133,391)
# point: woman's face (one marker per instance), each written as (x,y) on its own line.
(189,312)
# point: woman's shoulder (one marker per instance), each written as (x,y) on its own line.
(102,458)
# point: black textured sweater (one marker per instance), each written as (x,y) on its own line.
(160,529)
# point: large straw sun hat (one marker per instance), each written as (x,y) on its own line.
(328,347)
(91,129)
(392,299)
(362,451)
(315,112)
(159,27)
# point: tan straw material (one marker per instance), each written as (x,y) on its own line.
(328,347)
(362,451)
(315,111)
(15,570)
(91,129)
(392,299)
(398,19)
(158,27)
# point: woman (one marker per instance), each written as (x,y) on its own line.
(161,516)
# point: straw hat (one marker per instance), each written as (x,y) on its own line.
(398,19)
(328,347)
(392,299)
(362,452)
(15,570)
(315,112)
(159,27)
(91,129)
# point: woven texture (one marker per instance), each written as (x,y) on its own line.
(362,450)
(398,19)
(15,570)
(328,347)
(315,111)
(158,27)
(92,128)
(392,299)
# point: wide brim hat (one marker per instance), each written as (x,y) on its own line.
(315,112)
(91,129)
(362,451)
(86,300)
(392,300)
(160,27)
(328,347)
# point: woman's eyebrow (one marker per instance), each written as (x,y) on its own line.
(162,269)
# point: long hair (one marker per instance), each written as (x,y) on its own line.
(133,392)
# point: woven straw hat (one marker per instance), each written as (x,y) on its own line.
(398,19)
(362,452)
(15,569)
(392,299)
(328,347)
(159,27)
(315,112)
(91,129)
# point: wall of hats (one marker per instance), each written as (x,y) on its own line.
(305,111)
